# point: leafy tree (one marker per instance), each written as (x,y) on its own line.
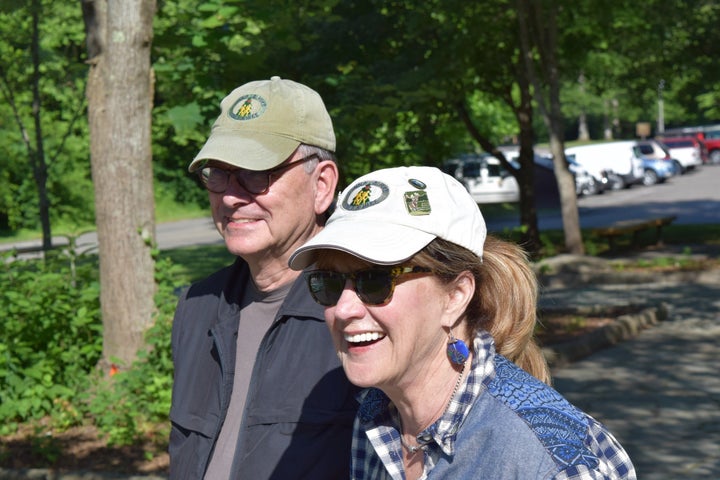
(44,162)
(630,49)
(539,41)
(444,70)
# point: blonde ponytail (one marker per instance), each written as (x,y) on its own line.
(505,301)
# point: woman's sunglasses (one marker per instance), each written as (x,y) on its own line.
(374,286)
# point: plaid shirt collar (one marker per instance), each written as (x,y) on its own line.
(379,421)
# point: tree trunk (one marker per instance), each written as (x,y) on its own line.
(607,128)
(538,37)
(120,93)
(525,175)
(583,131)
(530,237)
(37,156)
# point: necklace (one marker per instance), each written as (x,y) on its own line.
(413,449)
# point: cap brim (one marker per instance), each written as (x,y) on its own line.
(258,151)
(381,244)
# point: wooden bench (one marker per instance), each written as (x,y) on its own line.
(634,227)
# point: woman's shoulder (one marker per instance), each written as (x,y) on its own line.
(517,387)
(565,432)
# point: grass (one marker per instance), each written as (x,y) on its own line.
(198,262)
(168,210)
(688,238)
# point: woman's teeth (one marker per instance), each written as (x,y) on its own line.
(363,337)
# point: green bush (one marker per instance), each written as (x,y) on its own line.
(135,404)
(51,337)
(52,341)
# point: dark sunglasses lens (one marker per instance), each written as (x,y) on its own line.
(326,287)
(255,182)
(214,179)
(374,287)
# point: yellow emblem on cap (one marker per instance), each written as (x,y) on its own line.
(365,194)
(248,107)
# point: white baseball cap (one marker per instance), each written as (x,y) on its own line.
(262,123)
(387,216)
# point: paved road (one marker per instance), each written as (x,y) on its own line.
(693,197)
(659,393)
(199,231)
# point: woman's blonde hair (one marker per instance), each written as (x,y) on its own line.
(505,300)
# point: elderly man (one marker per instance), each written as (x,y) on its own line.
(258,391)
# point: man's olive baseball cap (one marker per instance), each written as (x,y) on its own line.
(263,122)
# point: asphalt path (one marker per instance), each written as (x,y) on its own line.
(694,198)
(659,392)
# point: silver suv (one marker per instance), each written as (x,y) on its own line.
(656,150)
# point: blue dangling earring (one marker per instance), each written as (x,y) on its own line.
(457,350)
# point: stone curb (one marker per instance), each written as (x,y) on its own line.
(568,270)
(625,327)
(49,474)
(561,280)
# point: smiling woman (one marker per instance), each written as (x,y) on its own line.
(436,322)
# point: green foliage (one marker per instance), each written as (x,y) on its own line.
(391,73)
(592,247)
(62,136)
(682,262)
(52,342)
(50,339)
(130,404)
(626,50)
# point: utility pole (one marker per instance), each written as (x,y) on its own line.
(661,109)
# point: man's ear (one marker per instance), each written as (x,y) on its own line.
(459,294)
(326,180)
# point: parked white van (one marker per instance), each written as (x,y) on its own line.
(618,158)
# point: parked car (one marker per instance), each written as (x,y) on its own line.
(585,183)
(711,138)
(658,151)
(615,162)
(484,177)
(657,171)
(689,151)
(545,186)
(709,135)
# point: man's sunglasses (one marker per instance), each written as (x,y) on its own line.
(256,182)
(374,286)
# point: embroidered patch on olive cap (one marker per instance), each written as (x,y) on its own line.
(247,107)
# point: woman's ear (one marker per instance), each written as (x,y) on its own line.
(460,291)
(326,180)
